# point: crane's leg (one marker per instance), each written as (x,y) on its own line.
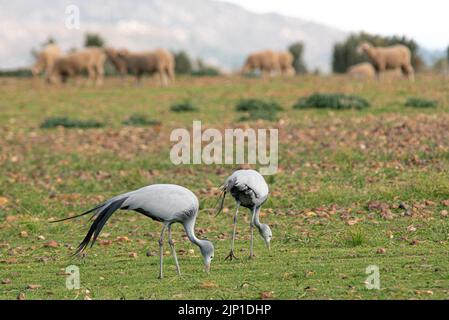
(231,254)
(172,246)
(251,249)
(161,252)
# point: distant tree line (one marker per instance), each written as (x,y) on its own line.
(297,50)
(184,64)
(345,53)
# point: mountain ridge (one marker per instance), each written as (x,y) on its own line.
(221,33)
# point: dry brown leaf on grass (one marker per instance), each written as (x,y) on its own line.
(23,234)
(9,261)
(264,295)
(208,285)
(34,286)
(3,201)
(122,239)
(104,242)
(424,292)
(51,244)
(11,218)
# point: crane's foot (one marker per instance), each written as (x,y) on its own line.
(252,256)
(231,256)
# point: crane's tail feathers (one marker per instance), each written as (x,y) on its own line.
(101,217)
(80,215)
(220,201)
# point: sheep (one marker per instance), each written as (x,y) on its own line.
(45,60)
(266,61)
(386,58)
(285,59)
(159,61)
(90,59)
(363,70)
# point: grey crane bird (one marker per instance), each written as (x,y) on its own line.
(249,190)
(166,203)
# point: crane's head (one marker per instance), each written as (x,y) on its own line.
(207,251)
(266,234)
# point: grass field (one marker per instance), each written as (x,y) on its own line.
(334,205)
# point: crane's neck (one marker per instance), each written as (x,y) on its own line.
(256,218)
(189,227)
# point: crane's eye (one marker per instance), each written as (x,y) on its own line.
(211,257)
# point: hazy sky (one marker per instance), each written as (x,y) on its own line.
(427,21)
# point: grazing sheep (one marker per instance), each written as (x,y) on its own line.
(91,59)
(266,61)
(363,70)
(286,59)
(45,60)
(387,58)
(159,61)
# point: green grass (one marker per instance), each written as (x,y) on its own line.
(333,205)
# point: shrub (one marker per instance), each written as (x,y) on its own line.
(421,103)
(65,122)
(332,101)
(258,109)
(140,120)
(185,106)
(256,104)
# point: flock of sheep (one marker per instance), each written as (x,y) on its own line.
(397,57)
(58,67)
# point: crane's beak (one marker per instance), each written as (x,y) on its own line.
(207,268)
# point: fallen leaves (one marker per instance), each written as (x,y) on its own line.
(3,201)
(23,234)
(208,285)
(424,292)
(265,295)
(34,286)
(11,219)
(51,244)
(6,281)
(9,261)
(122,239)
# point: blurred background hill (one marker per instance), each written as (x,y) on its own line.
(220,33)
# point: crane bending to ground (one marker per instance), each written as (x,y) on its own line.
(250,190)
(166,203)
